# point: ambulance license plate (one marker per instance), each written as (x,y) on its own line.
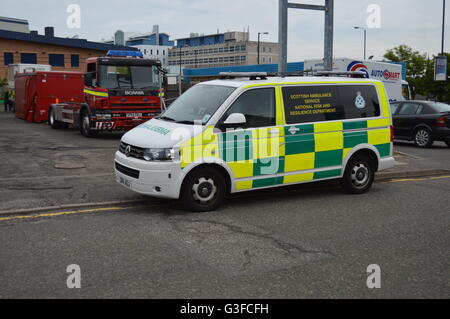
(134,114)
(125,182)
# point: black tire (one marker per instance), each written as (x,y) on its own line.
(203,190)
(423,138)
(85,125)
(54,123)
(359,174)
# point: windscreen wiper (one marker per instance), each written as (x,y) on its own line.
(165,118)
(186,122)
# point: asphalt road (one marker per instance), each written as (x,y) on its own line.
(303,241)
(41,167)
(297,242)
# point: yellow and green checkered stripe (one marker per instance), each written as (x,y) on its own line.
(298,153)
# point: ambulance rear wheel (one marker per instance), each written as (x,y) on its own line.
(53,122)
(359,174)
(85,125)
(203,190)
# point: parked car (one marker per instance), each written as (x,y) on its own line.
(423,122)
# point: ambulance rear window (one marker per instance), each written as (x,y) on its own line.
(319,103)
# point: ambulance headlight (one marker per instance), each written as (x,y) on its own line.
(159,154)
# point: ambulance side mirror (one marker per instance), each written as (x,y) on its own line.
(235,119)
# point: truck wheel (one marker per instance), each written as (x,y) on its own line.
(85,126)
(423,138)
(203,190)
(359,175)
(53,122)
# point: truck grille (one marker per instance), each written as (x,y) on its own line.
(127,171)
(135,152)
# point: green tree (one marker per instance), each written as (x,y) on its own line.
(420,72)
(434,89)
(416,64)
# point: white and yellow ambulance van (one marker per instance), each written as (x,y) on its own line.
(238,135)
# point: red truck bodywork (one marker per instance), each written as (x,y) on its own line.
(67,99)
(35,92)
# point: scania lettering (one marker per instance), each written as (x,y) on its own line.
(230,136)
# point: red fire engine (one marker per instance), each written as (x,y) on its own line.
(118,92)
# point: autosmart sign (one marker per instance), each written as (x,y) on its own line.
(386,74)
(381,74)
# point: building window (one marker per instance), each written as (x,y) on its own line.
(30,58)
(74,60)
(8,57)
(56,59)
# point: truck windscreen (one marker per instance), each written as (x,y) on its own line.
(128,77)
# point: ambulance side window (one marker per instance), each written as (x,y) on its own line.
(321,103)
(258,106)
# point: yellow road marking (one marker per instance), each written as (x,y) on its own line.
(84,211)
(112,209)
(417,179)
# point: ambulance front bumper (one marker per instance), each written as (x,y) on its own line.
(158,179)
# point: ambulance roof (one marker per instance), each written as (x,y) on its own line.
(244,82)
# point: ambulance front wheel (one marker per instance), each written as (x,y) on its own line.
(359,174)
(203,190)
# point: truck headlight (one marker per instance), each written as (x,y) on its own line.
(159,154)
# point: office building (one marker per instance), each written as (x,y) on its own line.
(222,49)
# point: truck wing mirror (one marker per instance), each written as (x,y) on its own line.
(88,79)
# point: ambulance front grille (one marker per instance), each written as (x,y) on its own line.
(133,151)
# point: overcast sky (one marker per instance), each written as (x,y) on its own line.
(416,23)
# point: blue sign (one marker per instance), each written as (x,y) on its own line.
(440,68)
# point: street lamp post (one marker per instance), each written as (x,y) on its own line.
(259,41)
(365,39)
(443,26)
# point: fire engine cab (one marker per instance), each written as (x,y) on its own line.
(121,91)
